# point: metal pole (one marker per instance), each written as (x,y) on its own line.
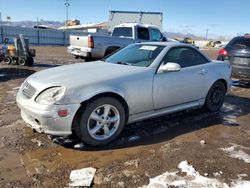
(67,12)
(206,33)
(38,36)
(1,24)
(67,18)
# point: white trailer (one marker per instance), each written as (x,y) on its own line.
(119,17)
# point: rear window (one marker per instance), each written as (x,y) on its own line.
(122,31)
(240,42)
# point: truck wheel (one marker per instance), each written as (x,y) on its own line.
(8,60)
(30,61)
(22,62)
(215,97)
(102,121)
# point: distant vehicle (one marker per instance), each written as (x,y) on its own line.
(237,51)
(96,47)
(188,40)
(214,44)
(97,99)
(218,44)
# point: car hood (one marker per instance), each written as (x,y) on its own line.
(81,74)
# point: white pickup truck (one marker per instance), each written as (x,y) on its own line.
(96,47)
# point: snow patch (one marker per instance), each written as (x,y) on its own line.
(237,153)
(82,177)
(241,184)
(191,179)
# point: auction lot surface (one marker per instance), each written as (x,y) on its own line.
(217,145)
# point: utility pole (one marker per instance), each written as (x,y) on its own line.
(1,25)
(67,12)
(206,33)
(67,18)
(38,34)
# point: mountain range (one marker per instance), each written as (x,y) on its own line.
(57,24)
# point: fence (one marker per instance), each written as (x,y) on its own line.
(39,36)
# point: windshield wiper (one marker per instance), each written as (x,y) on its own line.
(122,63)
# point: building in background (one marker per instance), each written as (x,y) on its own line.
(118,17)
(100,28)
(72,22)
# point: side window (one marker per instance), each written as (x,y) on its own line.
(142,33)
(185,57)
(155,34)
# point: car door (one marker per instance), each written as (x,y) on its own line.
(142,34)
(187,85)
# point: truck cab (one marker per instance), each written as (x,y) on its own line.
(95,46)
(139,32)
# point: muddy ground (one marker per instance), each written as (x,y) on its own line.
(145,149)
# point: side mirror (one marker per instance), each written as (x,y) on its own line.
(169,67)
(164,39)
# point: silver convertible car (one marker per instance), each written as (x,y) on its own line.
(96,100)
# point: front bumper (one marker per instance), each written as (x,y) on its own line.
(45,119)
(78,52)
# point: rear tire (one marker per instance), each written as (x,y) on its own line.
(30,61)
(215,97)
(102,121)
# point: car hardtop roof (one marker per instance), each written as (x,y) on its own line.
(242,36)
(172,44)
(136,24)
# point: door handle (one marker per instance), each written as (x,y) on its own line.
(203,71)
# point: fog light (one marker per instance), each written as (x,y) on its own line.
(62,113)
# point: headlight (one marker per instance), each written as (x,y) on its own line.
(51,95)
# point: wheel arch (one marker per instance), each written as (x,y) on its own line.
(111,49)
(221,80)
(86,102)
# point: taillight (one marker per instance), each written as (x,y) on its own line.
(90,42)
(223,52)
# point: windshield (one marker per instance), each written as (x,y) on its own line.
(136,55)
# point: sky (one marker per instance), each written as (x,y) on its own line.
(220,17)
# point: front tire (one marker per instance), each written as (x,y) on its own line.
(215,97)
(102,121)
(8,60)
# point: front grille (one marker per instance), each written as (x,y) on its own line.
(243,61)
(28,90)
